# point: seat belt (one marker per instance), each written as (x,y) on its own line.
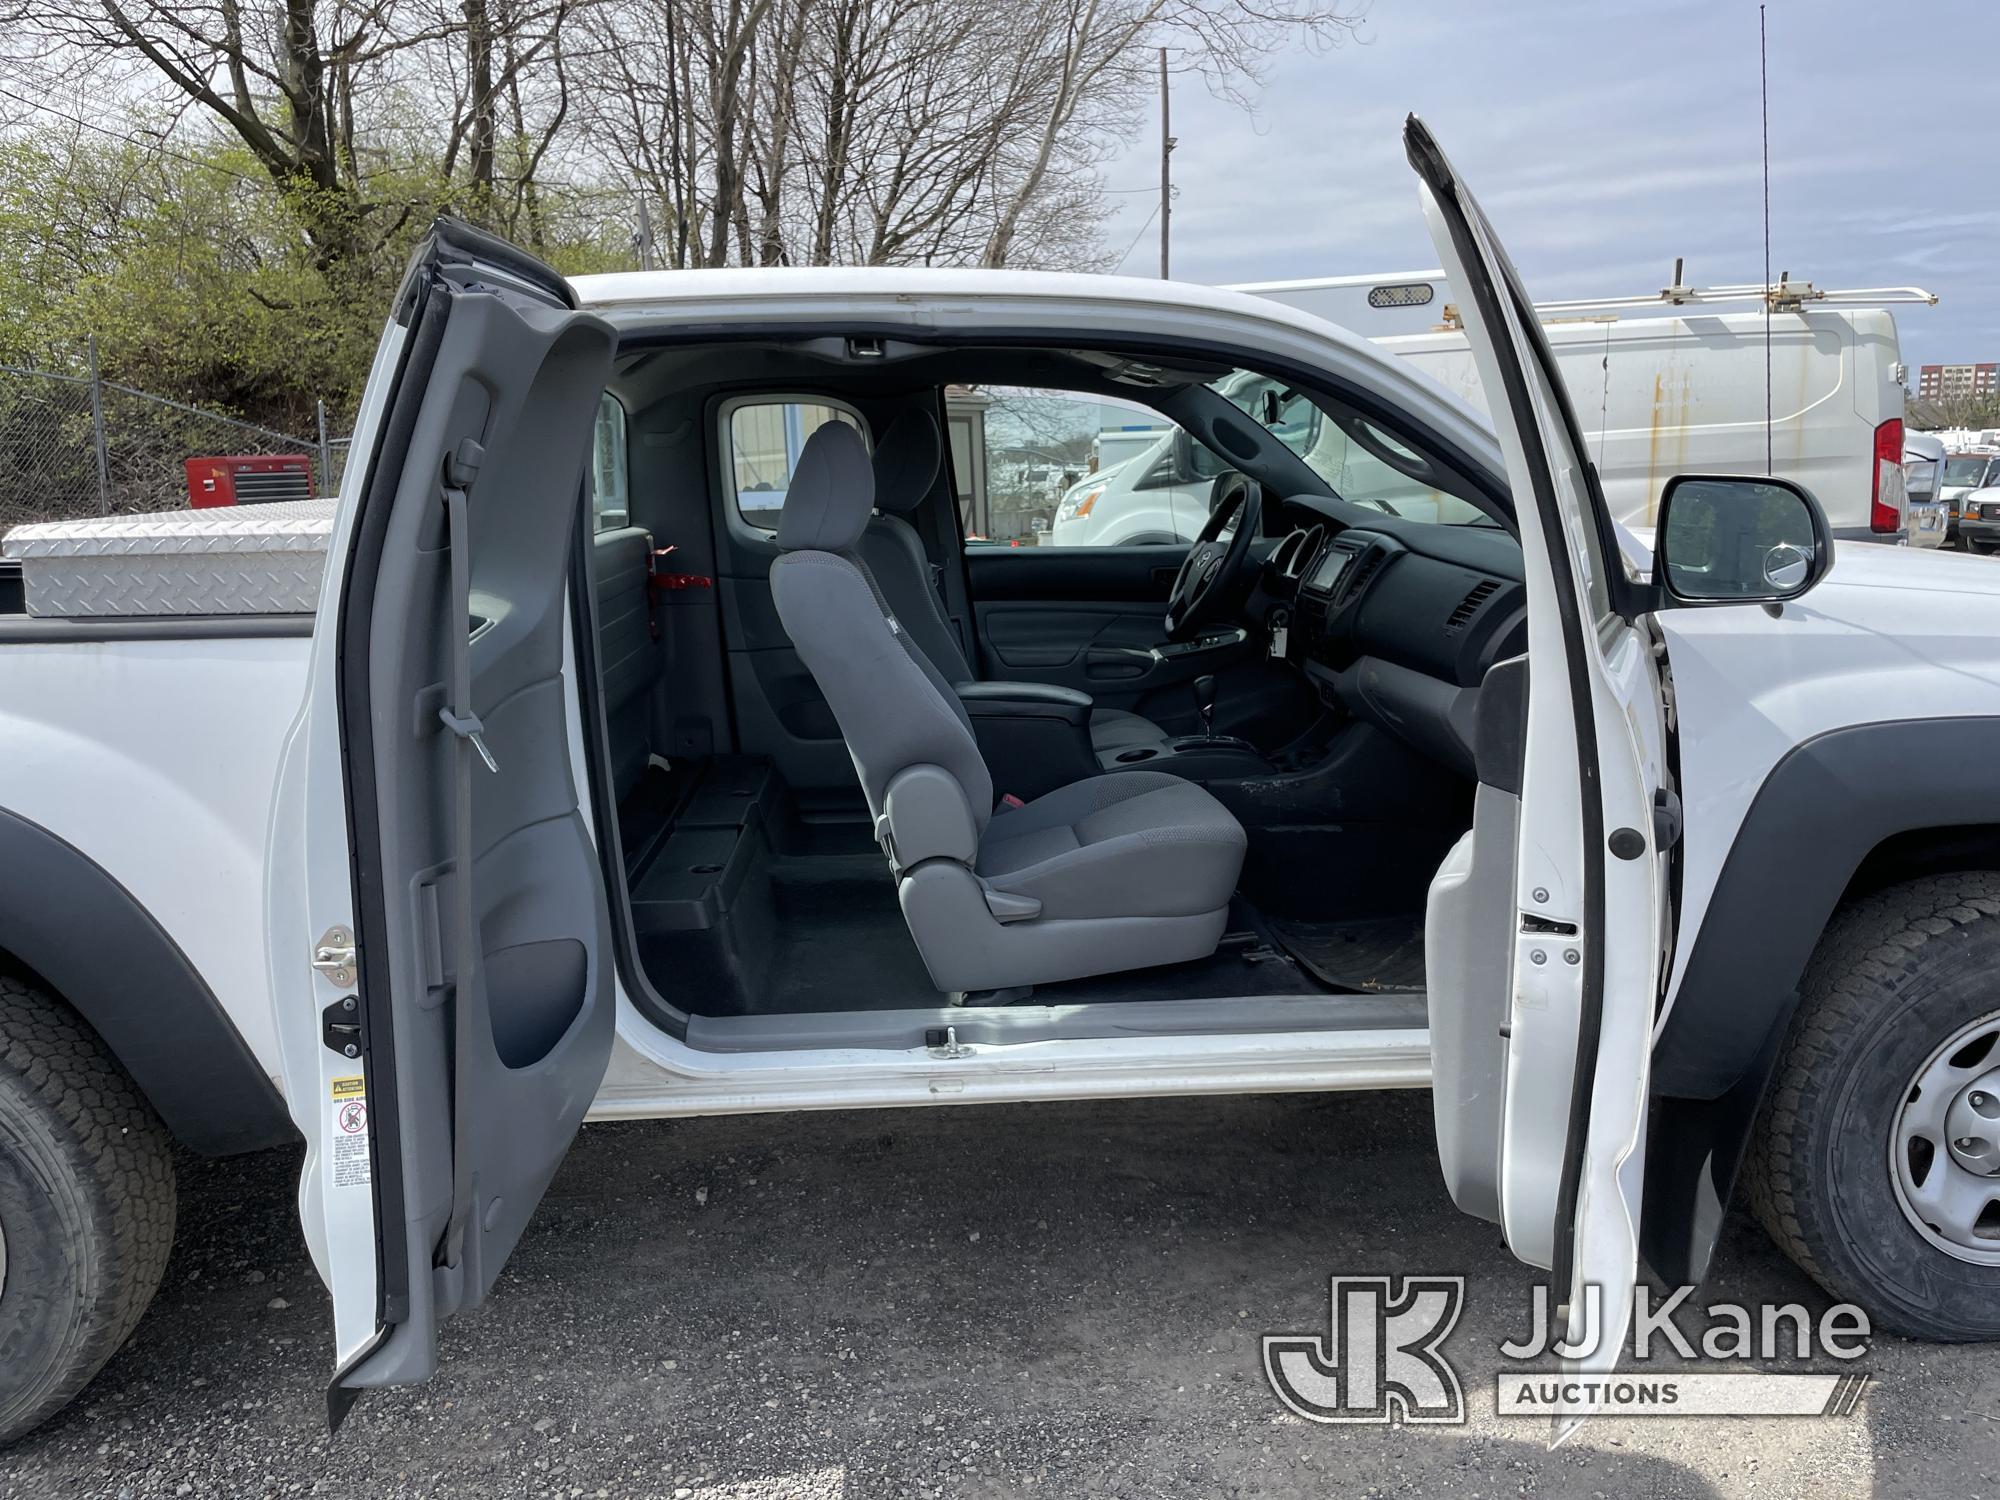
(458,716)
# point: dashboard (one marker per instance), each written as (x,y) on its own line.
(1397,621)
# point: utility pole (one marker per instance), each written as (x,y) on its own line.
(1166,176)
(645,235)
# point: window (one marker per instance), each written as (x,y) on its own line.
(1965,471)
(1363,462)
(1053,468)
(765,435)
(610,496)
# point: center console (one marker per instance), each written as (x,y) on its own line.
(1034,736)
(1217,757)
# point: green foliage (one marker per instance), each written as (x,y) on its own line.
(196,276)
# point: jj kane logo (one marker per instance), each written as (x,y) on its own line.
(1379,1360)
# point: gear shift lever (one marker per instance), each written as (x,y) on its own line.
(1204,704)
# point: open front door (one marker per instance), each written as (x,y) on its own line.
(1584,914)
(462,989)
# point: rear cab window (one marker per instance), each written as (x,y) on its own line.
(762,437)
(610,483)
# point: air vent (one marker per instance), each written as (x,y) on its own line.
(1461,617)
(1363,571)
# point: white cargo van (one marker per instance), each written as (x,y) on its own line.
(1666,384)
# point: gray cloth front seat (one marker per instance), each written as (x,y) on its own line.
(1114,872)
(907,459)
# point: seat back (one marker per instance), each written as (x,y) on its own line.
(903,724)
(908,458)
(628,657)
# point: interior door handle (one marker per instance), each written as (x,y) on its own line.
(1164,577)
(1118,661)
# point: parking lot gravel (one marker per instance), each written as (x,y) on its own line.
(1059,1300)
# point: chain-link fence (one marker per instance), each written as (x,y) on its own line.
(73,444)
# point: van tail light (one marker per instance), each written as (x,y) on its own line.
(1885,488)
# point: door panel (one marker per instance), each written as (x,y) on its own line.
(485,985)
(1587,905)
(1088,617)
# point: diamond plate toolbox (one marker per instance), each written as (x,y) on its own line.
(231,560)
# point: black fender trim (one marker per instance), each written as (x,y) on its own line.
(1821,811)
(70,922)
(1694,1149)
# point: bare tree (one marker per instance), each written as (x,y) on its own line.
(1096,66)
(948,131)
(316,89)
(766,131)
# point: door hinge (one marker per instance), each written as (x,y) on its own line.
(335,955)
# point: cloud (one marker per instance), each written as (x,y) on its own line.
(1605,139)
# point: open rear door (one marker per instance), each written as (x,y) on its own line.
(1585,914)
(460,961)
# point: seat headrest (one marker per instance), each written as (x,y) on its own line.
(907,458)
(831,493)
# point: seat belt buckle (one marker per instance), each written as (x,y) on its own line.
(1009,800)
(469,727)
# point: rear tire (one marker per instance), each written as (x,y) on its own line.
(86,1205)
(1834,1170)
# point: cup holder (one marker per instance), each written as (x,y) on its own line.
(1127,757)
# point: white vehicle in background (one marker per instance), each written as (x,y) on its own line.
(1163,494)
(1665,386)
(1966,472)
(1923,474)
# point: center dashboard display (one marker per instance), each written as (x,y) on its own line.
(1328,570)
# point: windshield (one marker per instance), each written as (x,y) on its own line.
(1966,470)
(1360,460)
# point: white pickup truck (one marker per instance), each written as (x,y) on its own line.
(427,823)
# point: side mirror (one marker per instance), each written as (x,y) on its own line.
(1732,539)
(1192,461)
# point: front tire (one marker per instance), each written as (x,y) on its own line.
(1863,1166)
(86,1205)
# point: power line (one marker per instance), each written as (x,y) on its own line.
(1135,239)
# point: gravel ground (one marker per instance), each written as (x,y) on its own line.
(972,1302)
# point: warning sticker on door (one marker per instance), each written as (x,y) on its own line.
(350,1134)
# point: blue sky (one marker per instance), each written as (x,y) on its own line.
(1606,137)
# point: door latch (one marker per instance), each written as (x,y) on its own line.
(340,1026)
(335,956)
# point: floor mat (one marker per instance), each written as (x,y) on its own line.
(1374,955)
(841,941)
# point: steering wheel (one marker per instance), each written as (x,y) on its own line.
(1211,581)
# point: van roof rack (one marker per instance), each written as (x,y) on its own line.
(1786,295)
